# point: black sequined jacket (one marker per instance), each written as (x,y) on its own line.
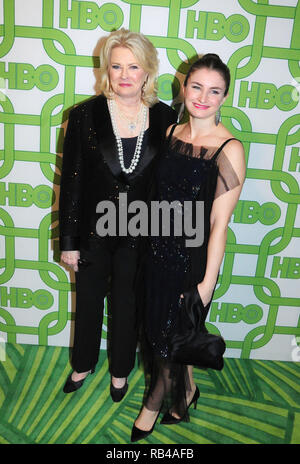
(91,169)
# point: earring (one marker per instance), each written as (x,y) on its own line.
(218,117)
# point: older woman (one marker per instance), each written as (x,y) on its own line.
(111,146)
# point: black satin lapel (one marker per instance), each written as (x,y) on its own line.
(106,138)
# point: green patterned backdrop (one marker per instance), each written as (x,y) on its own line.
(48,63)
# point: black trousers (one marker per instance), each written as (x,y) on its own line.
(105,270)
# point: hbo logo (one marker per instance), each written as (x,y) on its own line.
(265,96)
(249,212)
(25,298)
(214,26)
(235,312)
(24,76)
(25,195)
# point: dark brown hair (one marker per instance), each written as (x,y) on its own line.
(213,62)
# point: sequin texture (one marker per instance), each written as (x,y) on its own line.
(185,173)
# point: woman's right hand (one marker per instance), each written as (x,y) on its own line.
(71,258)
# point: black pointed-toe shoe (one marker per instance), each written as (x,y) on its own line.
(71,385)
(138,434)
(117,394)
(168,419)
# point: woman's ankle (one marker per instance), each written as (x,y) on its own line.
(77,376)
(118,382)
(146,419)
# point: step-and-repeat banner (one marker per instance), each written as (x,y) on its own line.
(49,62)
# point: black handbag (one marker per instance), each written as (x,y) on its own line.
(190,342)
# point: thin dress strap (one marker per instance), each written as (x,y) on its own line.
(171,133)
(221,147)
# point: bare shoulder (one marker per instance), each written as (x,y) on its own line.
(177,128)
(169,129)
(234,150)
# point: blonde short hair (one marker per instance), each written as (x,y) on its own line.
(146,56)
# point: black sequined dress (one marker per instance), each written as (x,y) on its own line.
(185,174)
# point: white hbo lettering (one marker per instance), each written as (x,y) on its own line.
(184,217)
(296,349)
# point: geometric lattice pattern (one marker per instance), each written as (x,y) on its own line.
(48,63)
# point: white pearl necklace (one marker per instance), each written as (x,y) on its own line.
(139,142)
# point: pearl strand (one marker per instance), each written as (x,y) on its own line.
(138,147)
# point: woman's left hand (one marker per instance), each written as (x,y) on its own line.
(205,293)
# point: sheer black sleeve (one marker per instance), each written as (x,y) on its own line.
(227,177)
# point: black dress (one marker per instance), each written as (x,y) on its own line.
(185,175)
